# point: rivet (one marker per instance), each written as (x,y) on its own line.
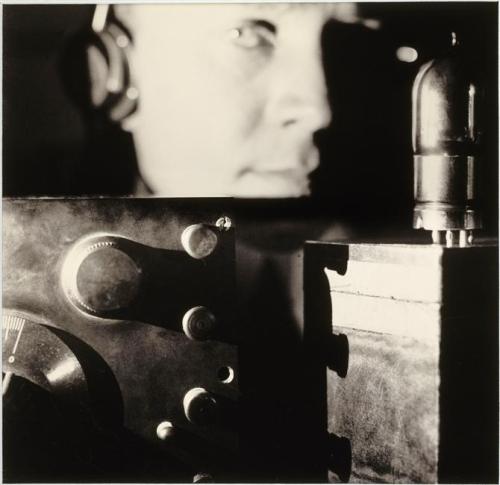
(200,407)
(165,430)
(224,223)
(198,323)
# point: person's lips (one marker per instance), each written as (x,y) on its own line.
(283,174)
(272,183)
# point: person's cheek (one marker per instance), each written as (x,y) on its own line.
(233,108)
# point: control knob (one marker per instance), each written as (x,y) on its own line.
(100,275)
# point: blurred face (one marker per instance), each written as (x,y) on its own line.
(230,96)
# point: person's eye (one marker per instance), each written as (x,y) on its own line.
(254,34)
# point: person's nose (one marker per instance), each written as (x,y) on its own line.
(298,96)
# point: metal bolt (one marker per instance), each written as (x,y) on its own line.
(224,223)
(198,323)
(200,407)
(199,240)
(165,430)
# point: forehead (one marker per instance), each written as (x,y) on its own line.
(137,15)
(341,10)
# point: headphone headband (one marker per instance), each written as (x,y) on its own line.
(100,17)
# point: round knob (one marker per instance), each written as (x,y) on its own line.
(100,278)
(198,323)
(200,407)
(165,431)
(199,240)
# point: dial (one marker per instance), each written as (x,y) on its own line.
(44,401)
(33,351)
(101,276)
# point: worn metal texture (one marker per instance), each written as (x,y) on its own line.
(421,314)
(138,363)
(388,407)
(419,400)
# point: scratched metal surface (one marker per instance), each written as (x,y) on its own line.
(151,364)
(422,327)
(387,406)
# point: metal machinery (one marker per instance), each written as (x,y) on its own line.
(411,329)
(120,352)
(125,358)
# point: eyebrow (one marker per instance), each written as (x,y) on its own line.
(267,25)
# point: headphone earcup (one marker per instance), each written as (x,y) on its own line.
(98,70)
(120,82)
(104,87)
(109,69)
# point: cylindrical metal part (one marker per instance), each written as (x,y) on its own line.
(445,138)
(100,277)
(199,240)
(199,323)
(445,179)
(201,407)
(165,431)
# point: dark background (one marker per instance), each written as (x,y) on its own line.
(53,144)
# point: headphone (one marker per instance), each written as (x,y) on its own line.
(108,52)
(110,90)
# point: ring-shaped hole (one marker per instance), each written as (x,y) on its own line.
(225,374)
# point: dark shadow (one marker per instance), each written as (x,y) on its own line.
(43,439)
(49,439)
(275,424)
(337,354)
(340,459)
(105,399)
(468,451)
(317,351)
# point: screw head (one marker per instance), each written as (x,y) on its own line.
(198,323)
(224,223)
(200,407)
(199,240)
(165,430)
